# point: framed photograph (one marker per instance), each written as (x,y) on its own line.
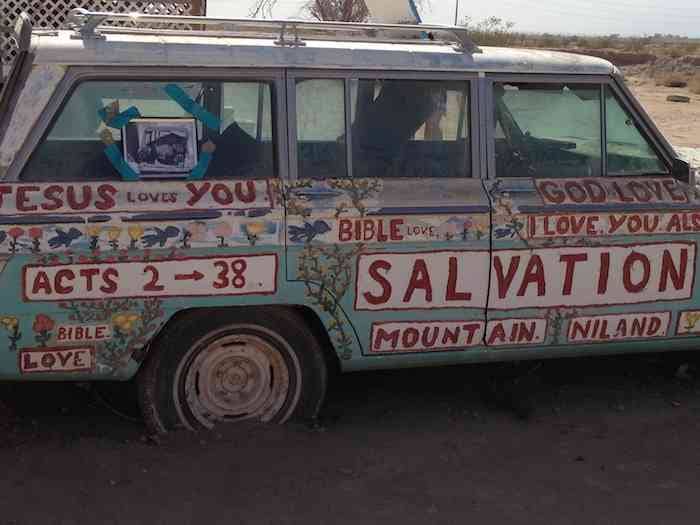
(161,147)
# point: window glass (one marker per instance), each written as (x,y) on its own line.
(409,128)
(321,148)
(547,130)
(127,130)
(629,153)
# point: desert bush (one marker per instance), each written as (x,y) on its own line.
(672,80)
(492,31)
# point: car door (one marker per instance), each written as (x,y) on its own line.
(148,193)
(387,218)
(594,240)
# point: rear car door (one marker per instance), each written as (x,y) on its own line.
(594,239)
(387,217)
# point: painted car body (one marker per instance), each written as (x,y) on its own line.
(400,272)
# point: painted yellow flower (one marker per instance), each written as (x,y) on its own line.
(124,323)
(94,231)
(256,228)
(9,322)
(113,233)
(691,320)
(135,231)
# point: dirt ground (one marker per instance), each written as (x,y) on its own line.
(580,441)
(679,122)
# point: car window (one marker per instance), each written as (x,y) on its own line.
(130,130)
(320,118)
(629,152)
(410,128)
(547,130)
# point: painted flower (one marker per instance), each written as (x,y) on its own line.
(94,230)
(9,323)
(43,323)
(35,233)
(113,233)
(691,319)
(15,232)
(199,231)
(223,230)
(124,323)
(135,232)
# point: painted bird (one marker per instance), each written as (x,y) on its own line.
(160,236)
(308,232)
(64,239)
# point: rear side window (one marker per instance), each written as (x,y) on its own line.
(547,130)
(410,128)
(629,152)
(131,130)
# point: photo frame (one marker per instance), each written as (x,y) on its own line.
(161,147)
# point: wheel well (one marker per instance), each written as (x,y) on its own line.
(306,314)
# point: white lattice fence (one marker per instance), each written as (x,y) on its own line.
(53,13)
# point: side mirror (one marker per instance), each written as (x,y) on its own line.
(682,172)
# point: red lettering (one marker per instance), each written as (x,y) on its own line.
(249,195)
(106,193)
(621,194)
(27,362)
(674,191)
(89,275)
(109,277)
(452,294)
(197,193)
(420,280)
(395,229)
(52,194)
(42,283)
(604,274)
(60,281)
(426,340)
(534,274)
(669,270)
(596,192)
(72,198)
(373,272)
(570,260)
(222,195)
(4,190)
(575,192)
(504,281)
(498,332)
(553,195)
(344,230)
(639,191)
(632,259)
(23,199)
(410,338)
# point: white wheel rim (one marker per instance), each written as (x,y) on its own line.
(236,377)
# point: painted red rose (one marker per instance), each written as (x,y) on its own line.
(15,232)
(43,323)
(35,233)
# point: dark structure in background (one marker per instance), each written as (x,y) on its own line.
(52,14)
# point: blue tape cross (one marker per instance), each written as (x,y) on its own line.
(190,106)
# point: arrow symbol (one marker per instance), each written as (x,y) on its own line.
(194,276)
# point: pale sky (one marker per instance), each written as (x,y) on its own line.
(627,17)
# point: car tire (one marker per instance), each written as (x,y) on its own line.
(225,366)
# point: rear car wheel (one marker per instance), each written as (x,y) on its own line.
(227,366)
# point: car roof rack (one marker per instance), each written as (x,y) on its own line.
(290,33)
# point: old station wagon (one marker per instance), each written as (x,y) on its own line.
(228,212)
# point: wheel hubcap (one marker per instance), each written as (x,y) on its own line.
(236,377)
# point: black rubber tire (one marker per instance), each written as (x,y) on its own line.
(185,338)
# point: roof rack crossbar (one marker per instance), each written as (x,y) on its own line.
(85,24)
